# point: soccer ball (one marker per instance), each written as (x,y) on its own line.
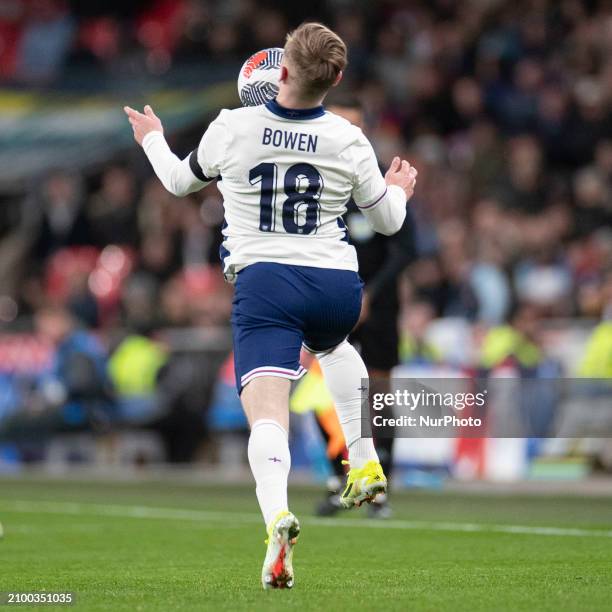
(258,78)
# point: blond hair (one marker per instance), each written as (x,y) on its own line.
(318,56)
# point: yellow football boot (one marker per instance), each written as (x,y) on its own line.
(363,484)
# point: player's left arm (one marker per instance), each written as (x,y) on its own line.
(381,200)
(179,177)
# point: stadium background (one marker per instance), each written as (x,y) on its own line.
(504,108)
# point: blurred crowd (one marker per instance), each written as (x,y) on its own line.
(41,39)
(504,107)
(116,250)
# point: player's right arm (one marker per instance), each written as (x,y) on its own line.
(179,177)
(381,200)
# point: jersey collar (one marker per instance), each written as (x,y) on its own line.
(294,113)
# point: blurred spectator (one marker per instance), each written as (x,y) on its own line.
(45,40)
(516,341)
(597,361)
(133,368)
(592,193)
(81,301)
(139,303)
(59,215)
(159,256)
(77,383)
(11,15)
(414,349)
(174,304)
(524,186)
(112,210)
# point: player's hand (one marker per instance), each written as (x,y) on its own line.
(402,174)
(143,124)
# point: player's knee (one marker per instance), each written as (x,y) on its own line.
(345,353)
(267,398)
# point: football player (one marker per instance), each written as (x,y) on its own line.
(286,171)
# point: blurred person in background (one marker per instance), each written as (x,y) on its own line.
(414,348)
(516,350)
(139,303)
(45,41)
(596,364)
(524,186)
(111,211)
(597,360)
(515,341)
(174,304)
(134,367)
(78,379)
(80,301)
(592,195)
(75,393)
(160,256)
(58,215)
(456,259)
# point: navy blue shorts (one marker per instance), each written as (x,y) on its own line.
(279,307)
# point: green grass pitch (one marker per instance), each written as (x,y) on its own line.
(171,546)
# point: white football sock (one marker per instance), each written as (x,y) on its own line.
(345,374)
(270,462)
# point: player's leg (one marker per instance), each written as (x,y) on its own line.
(377,340)
(267,340)
(265,401)
(347,379)
(331,317)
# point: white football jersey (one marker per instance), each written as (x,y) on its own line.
(286,177)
